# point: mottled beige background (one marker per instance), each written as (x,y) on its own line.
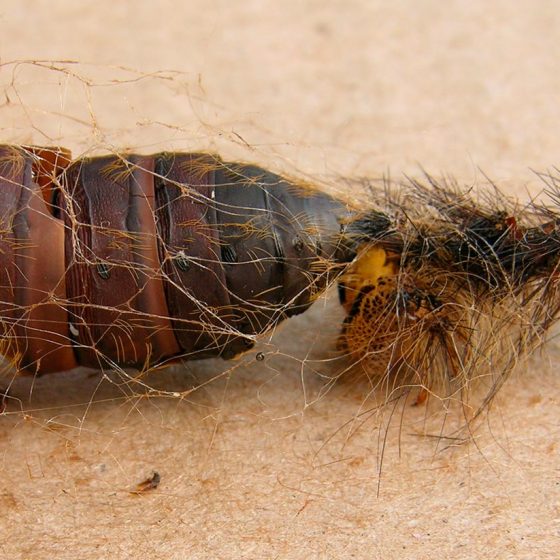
(263,461)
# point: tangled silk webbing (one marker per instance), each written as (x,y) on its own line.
(139,261)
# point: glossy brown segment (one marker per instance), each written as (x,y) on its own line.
(38,336)
(251,257)
(195,282)
(150,300)
(118,307)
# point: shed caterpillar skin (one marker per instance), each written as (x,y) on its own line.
(447,292)
(138,261)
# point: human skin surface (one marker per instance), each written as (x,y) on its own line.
(268,459)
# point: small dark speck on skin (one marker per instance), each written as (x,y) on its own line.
(182,261)
(103,270)
(259,357)
(298,244)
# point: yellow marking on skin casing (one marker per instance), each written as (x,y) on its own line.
(372,264)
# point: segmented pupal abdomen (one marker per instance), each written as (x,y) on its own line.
(135,260)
